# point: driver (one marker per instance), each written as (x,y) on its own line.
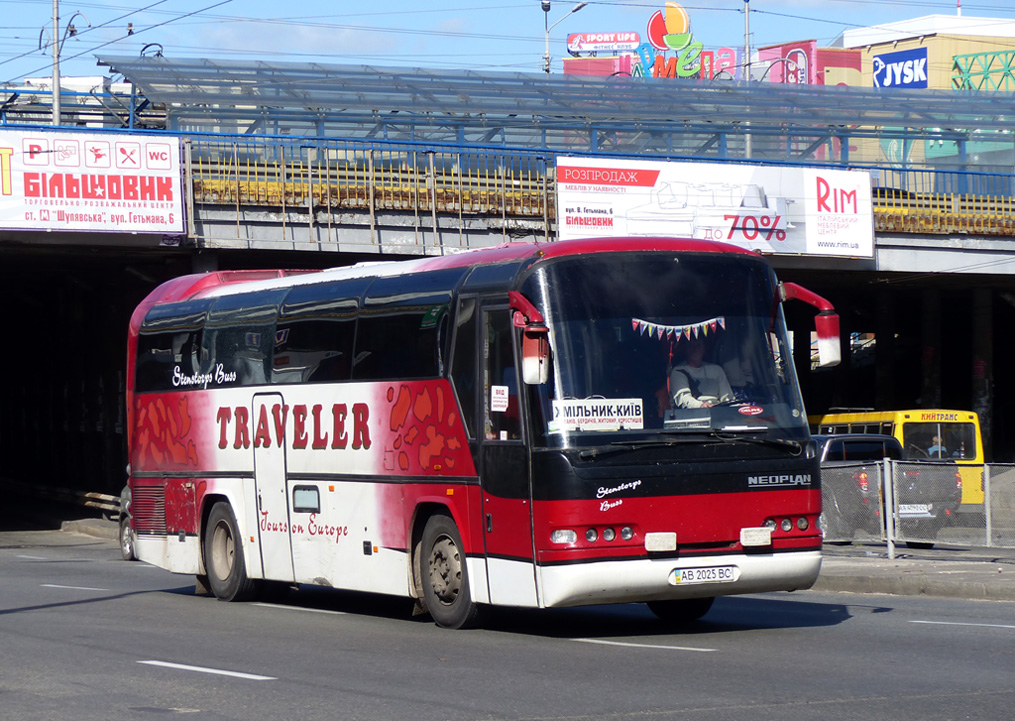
(695,383)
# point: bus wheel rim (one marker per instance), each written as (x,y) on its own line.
(446,570)
(223,552)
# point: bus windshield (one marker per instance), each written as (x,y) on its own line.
(655,342)
(939,441)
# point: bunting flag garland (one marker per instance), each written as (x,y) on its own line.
(679,332)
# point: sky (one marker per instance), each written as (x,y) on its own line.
(450,34)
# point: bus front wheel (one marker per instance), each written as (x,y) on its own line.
(223,556)
(446,576)
(683,610)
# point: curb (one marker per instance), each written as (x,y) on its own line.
(987,581)
(97,528)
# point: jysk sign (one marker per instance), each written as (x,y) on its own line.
(904,69)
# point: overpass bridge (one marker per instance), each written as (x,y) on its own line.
(311,166)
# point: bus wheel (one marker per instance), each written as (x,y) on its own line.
(223,556)
(127,540)
(683,610)
(445,575)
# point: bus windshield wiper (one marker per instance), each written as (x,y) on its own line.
(621,446)
(686,437)
(795,446)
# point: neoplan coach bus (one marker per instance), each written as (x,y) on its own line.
(487,428)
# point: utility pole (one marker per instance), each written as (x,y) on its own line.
(56,62)
(747,73)
(747,41)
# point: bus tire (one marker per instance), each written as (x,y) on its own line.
(127,540)
(223,556)
(445,575)
(681,610)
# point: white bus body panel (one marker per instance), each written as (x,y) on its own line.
(647,580)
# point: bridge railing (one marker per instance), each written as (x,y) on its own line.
(383,176)
(325,175)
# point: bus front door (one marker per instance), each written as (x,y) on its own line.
(273,518)
(504,468)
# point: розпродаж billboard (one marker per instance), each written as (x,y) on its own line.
(782,210)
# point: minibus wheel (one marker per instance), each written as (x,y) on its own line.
(446,575)
(223,556)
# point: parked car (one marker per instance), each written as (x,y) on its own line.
(928,494)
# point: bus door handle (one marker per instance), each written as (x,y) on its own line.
(489,523)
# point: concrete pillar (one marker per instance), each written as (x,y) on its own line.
(884,378)
(982,400)
(930,357)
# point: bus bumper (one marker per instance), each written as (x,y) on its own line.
(641,580)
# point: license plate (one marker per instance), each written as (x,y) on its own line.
(914,509)
(706,574)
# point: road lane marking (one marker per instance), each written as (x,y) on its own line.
(642,645)
(33,558)
(72,588)
(957,623)
(215,671)
(298,608)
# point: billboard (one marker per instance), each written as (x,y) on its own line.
(90,182)
(904,69)
(777,210)
(579,43)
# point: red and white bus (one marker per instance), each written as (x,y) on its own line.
(493,427)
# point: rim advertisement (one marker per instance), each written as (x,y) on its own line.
(772,210)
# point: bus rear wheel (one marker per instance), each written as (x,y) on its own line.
(446,575)
(682,610)
(223,556)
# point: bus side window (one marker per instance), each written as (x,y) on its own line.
(502,419)
(463,363)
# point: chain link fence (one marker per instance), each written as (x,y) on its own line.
(932,503)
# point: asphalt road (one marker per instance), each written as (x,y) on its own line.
(86,636)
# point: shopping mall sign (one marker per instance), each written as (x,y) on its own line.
(669,30)
(779,210)
(90,182)
(904,69)
(592,43)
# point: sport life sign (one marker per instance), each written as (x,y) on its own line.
(904,69)
(90,182)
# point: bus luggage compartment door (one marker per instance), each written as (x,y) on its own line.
(273,519)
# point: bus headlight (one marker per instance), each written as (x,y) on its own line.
(609,534)
(591,535)
(563,535)
(627,533)
(786,525)
(802,523)
(769,524)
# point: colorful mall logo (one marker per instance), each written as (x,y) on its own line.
(670,30)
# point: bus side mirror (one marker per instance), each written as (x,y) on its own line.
(826,323)
(826,326)
(535,355)
(535,339)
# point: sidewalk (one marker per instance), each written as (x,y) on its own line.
(987,573)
